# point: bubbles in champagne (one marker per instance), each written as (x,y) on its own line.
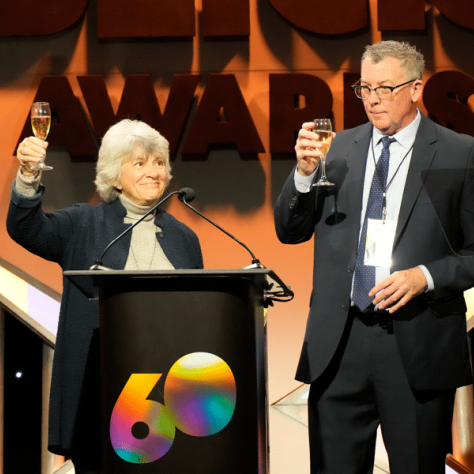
(325,138)
(40,125)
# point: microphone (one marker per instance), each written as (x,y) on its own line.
(187,195)
(182,192)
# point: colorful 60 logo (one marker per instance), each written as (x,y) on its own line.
(199,395)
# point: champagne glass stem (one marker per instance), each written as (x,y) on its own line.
(323,180)
(323,170)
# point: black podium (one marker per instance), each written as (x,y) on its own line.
(183,357)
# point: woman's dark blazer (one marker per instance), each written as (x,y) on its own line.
(74,238)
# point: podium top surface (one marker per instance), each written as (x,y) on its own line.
(89,281)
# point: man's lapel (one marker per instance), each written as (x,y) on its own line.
(357,161)
(422,156)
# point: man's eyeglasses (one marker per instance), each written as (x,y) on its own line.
(383,92)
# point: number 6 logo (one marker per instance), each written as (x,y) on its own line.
(199,396)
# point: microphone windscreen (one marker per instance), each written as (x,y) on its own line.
(187,193)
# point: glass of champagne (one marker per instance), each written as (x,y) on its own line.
(40,122)
(324,130)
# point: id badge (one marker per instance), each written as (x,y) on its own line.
(379,243)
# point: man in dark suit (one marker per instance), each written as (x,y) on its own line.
(386,338)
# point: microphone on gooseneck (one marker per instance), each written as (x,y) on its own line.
(187,195)
(98,263)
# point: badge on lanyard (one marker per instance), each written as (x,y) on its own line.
(379,243)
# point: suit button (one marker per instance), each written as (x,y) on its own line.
(343,308)
(350,270)
(293,202)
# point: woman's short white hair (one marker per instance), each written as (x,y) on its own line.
(120,145)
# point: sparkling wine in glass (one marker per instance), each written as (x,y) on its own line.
(40,122)
(324,130)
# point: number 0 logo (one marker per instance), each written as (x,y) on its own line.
(199,397)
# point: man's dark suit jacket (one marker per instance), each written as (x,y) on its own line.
(435,228)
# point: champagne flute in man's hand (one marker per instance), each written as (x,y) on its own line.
(40,122)
(324,130)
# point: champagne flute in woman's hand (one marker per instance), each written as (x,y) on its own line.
(40,122)
(324,130)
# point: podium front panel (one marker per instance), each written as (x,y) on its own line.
(183,376)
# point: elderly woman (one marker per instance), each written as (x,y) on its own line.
(133,171)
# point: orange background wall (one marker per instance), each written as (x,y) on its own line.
(236,193)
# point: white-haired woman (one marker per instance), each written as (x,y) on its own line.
(133,171)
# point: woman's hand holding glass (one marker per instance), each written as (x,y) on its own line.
(40,123)
(31,152)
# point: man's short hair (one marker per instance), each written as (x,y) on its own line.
(412,61)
